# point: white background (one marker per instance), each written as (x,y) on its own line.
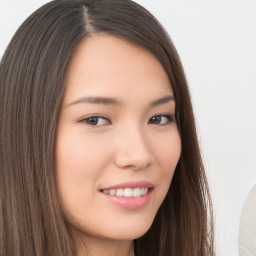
(217,44)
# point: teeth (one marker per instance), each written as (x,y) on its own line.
(112,192)
(119,192)
(127,192)
(136,192)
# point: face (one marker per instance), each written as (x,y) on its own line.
(117,143)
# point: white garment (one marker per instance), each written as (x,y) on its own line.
(247,231)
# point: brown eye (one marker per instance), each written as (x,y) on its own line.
(161,119)
(155,120)
(95,121)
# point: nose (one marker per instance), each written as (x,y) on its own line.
(132,149)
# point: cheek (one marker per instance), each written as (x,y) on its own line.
(78,154)
(167,153)
(78,168)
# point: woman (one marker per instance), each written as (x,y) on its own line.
(99,154)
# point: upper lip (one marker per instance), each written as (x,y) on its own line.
(132,184)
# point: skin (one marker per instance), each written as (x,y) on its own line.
(127,143)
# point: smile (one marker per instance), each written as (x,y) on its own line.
(126,192)
(129,195)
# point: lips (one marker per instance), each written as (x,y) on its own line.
(132,184)
(130,195)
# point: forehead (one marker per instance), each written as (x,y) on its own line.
(111,66)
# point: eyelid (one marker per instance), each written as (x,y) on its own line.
(171,119)
(84,119)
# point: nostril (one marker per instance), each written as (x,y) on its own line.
(133,161)
(132,151)
(132,165)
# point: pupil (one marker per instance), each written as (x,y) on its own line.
(93,120)
(156,119)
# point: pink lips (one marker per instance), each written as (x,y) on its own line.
(134,184)
(131,203)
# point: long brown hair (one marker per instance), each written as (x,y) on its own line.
(32,81)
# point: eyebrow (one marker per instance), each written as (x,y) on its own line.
(96,100)
(163,100)
(114,101)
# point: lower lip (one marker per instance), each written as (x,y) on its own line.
(131,203)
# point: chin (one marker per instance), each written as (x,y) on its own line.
(125,229)
(130,230)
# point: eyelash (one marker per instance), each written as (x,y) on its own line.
(170,119)
(95,119)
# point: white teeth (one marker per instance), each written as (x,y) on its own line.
(145,191)
(119,192)
(136,192)
(127,192)
(112,192)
